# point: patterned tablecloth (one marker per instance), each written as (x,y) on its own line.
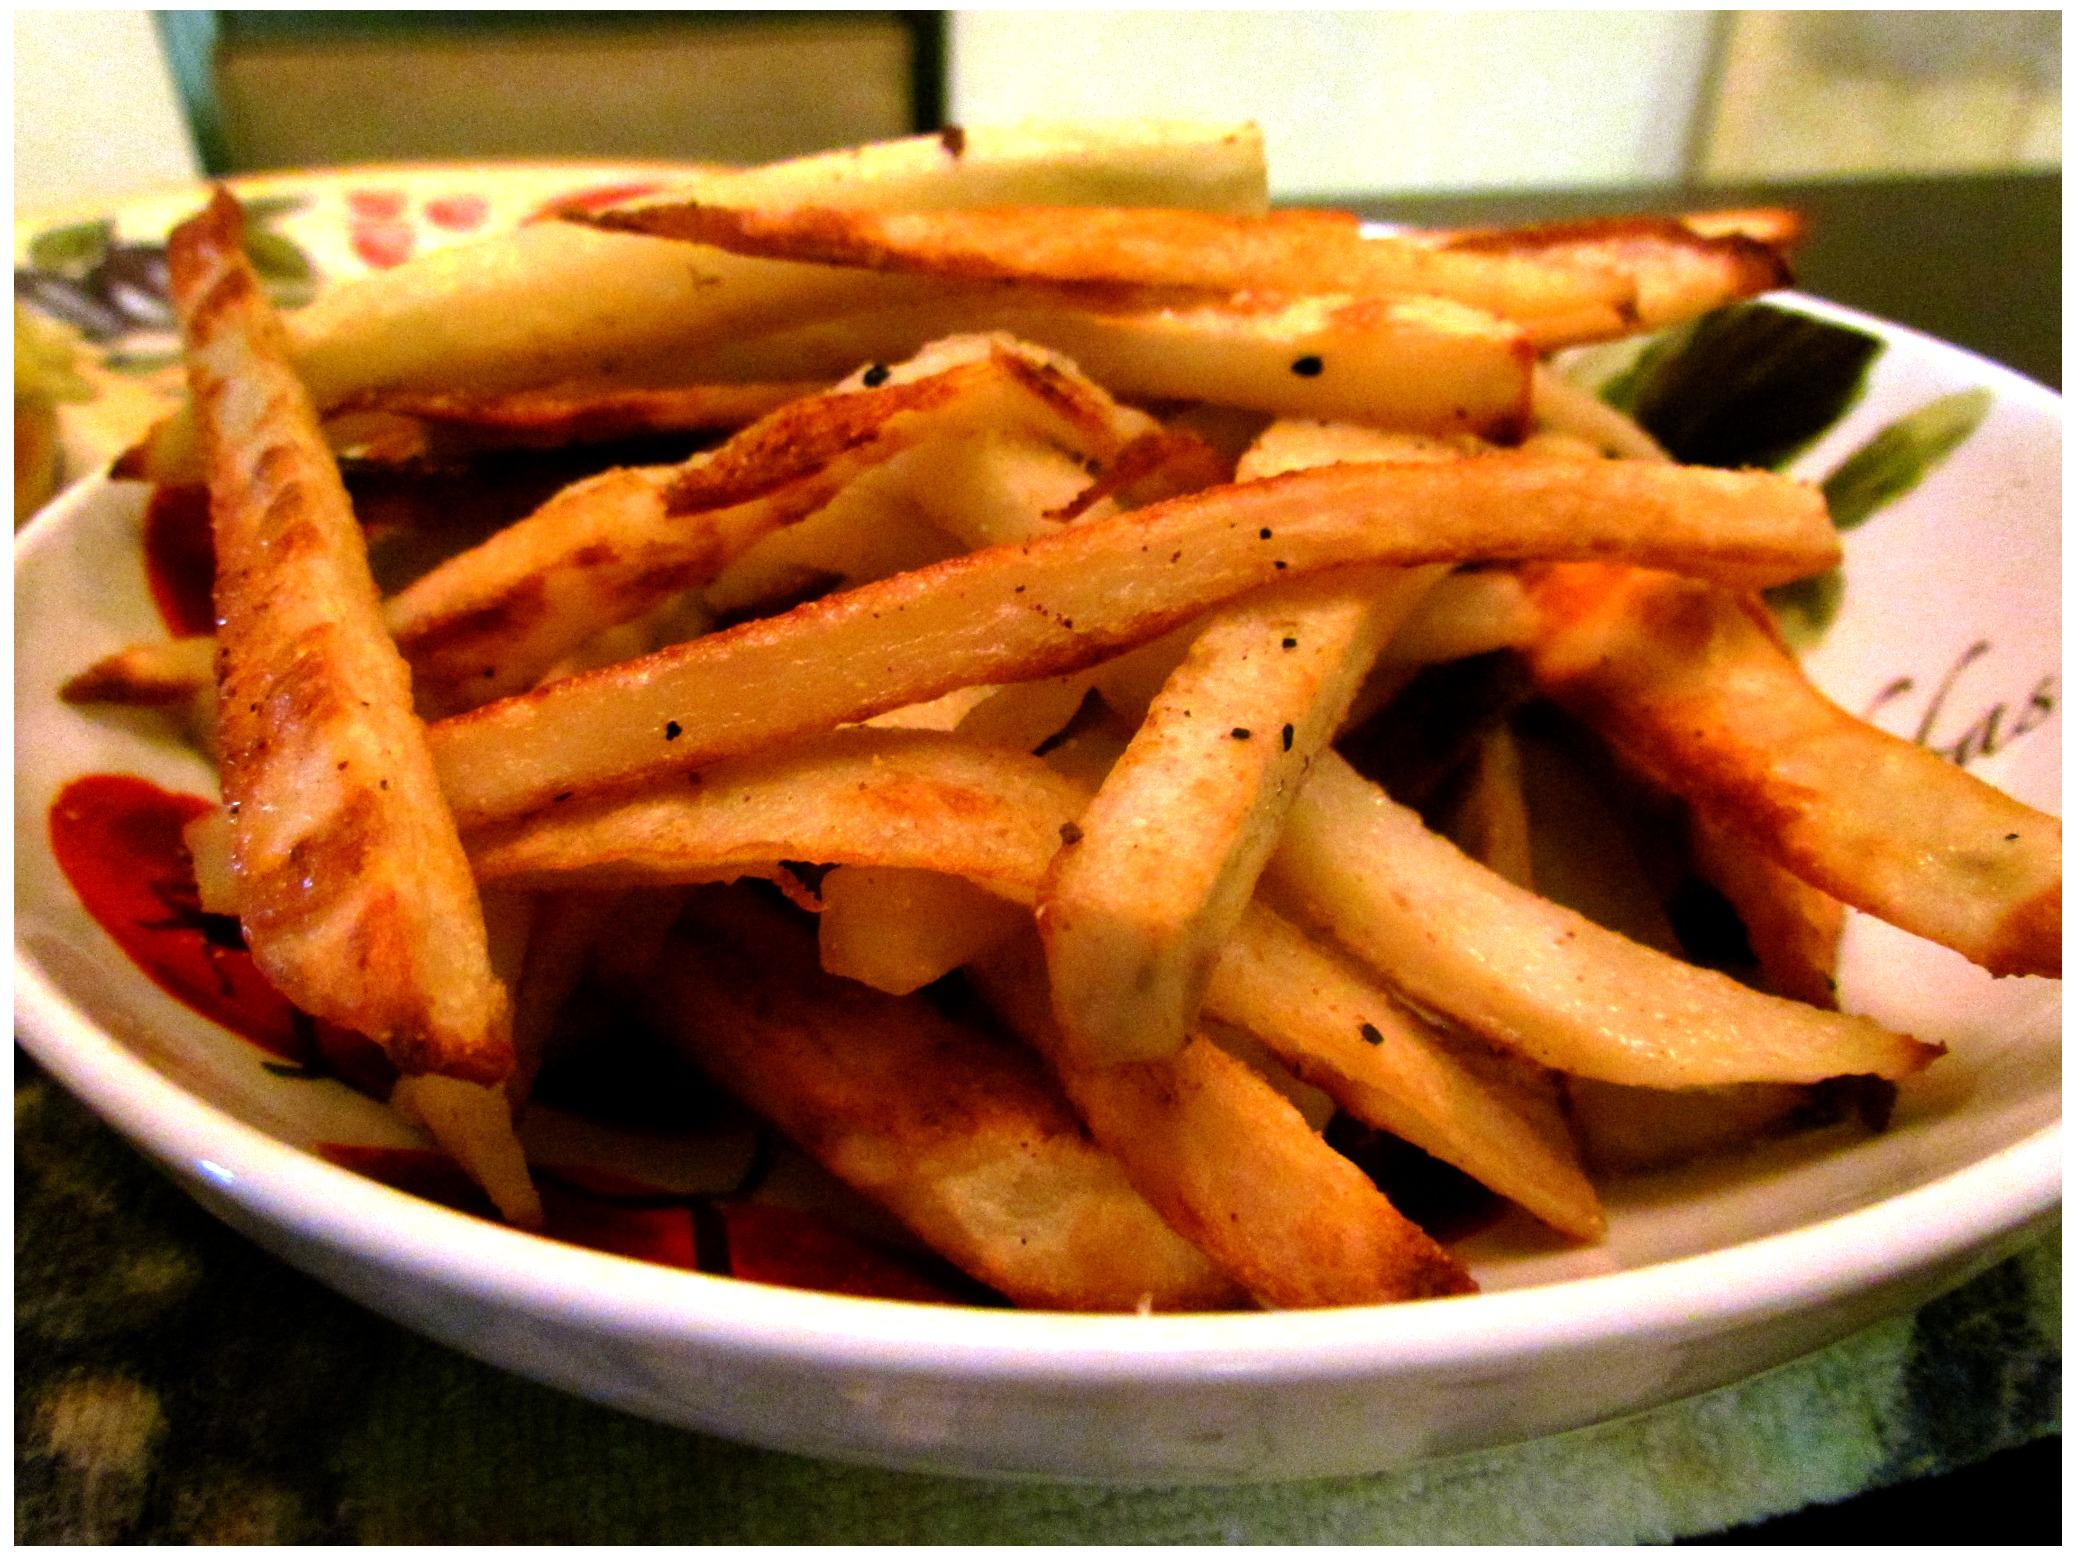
(175,1384)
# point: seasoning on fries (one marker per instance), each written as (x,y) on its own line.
(1076,510)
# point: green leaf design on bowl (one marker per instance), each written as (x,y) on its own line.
(1748,386)
(1899,458)
(74,250)
(290,279)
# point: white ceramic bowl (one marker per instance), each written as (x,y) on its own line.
(1706,1276)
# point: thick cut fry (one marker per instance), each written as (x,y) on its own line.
(955,1132)
(1164,859)
(1289,252)
(1232,1165)
(1332,1026)
(1083,594)
(1457,939)
(1694,689)
(1418,363)
(873,796)
(1678,272)
(356,898)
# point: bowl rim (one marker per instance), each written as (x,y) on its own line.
(299,1193)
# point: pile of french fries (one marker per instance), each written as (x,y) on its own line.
(1075,506)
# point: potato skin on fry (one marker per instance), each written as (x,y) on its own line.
(356,898)
(957,1133)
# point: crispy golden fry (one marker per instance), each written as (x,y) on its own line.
(1694,689)
(490,621)
(1138,904)
(1418,363)
(155,673)
(1793,927)
(1678,271)
(1287,252)
(873,796)
(1454,937)
(897,929)
(356,898)
(555,416)
(1081,595)
(1338,1029)
(1232,1165)
(955,1132)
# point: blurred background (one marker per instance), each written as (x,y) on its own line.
(1352,102)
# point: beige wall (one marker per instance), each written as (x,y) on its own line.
(94,109)
(1366,100)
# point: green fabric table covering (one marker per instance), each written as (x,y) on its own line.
(173,1383)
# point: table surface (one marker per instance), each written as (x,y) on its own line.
(174,1383)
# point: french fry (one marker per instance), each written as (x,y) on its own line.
(354,894)
(1793,927)
(1455,938)
(555,416)
(1679,272)
(552,301)
(1694,689)
(1491,822)
(896,929)
(490,621)
(1420,363)
(1163,861)
(1231,1165)
(955,1132)
(1339,1030)
(873,796)
(1088,592)
(1287,252)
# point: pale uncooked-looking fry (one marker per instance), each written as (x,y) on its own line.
(552,301)
(1231,1164)
(1288,252)
(1083,594)
(957,1133)
(1335,1027)
(354,894)
(1456,938)
(1163,860)
(1418,363)
(1695,690)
